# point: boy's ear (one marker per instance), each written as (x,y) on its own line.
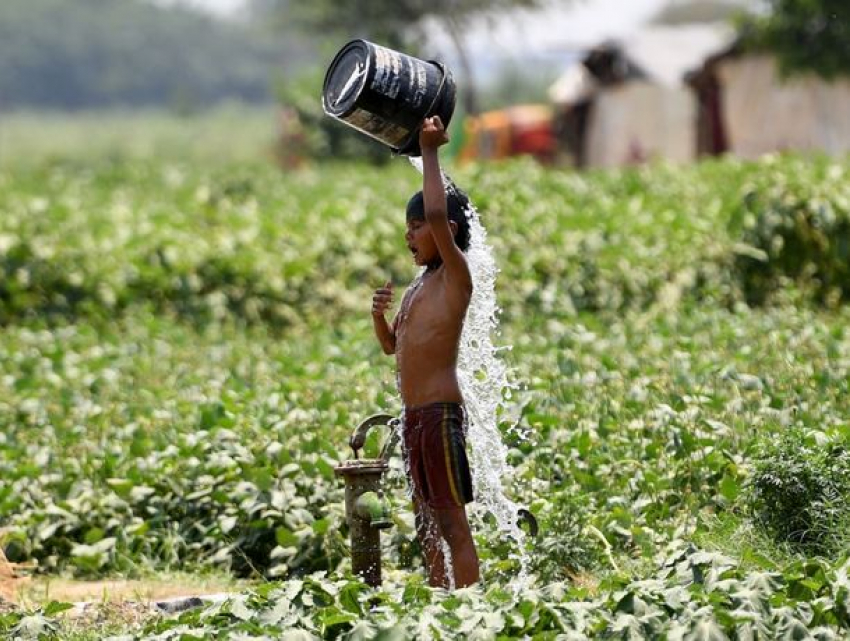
(453,227)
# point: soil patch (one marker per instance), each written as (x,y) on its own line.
(40,590)
(110,590)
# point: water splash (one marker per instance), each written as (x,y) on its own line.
(487,387)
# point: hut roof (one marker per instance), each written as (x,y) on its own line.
(660,54)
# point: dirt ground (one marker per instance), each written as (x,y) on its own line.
(16,588)
(106,605)
(40,590)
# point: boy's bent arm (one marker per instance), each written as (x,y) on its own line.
(385,334)
(436,210)
(381,301)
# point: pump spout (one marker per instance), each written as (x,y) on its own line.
(374,509)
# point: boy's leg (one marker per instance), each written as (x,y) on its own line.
(449,484)
(428,532)
(454,528)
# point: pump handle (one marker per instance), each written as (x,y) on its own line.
(358,438)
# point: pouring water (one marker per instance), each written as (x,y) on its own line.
(486,386)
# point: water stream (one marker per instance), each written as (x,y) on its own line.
(487,387)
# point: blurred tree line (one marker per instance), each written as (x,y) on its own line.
(805,35)
(76,54)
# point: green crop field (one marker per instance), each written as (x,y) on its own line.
(186,346)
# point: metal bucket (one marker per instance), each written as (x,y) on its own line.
(386,94)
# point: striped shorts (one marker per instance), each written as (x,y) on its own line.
(434,447)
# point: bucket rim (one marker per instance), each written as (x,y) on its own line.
(351,44)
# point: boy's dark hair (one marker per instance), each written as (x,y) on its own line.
(457,203)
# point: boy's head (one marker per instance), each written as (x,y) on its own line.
(456,203)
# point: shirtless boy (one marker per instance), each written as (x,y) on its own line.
(424,336)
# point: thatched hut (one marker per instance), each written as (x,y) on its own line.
(747,107)
(625,102)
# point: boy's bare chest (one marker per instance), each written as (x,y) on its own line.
(422,305)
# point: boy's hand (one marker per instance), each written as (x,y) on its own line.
(433,133)
(382,299)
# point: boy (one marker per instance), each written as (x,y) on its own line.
(424,336)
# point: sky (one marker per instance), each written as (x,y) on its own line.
(219,7)
(580,23)
(551,35)
(585,18)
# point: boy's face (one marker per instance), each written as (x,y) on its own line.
(420,241)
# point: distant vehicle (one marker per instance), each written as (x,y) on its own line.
(513,131)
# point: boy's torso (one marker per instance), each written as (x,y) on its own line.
(427,336)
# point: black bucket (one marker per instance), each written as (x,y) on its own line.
(386,94)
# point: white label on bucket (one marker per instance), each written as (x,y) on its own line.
(377,128)
(358,118)
(419,90)
(387,77)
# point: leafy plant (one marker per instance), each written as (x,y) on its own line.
(796,226)
(569,548)
(799,490)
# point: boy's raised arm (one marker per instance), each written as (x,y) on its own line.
(431,137)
